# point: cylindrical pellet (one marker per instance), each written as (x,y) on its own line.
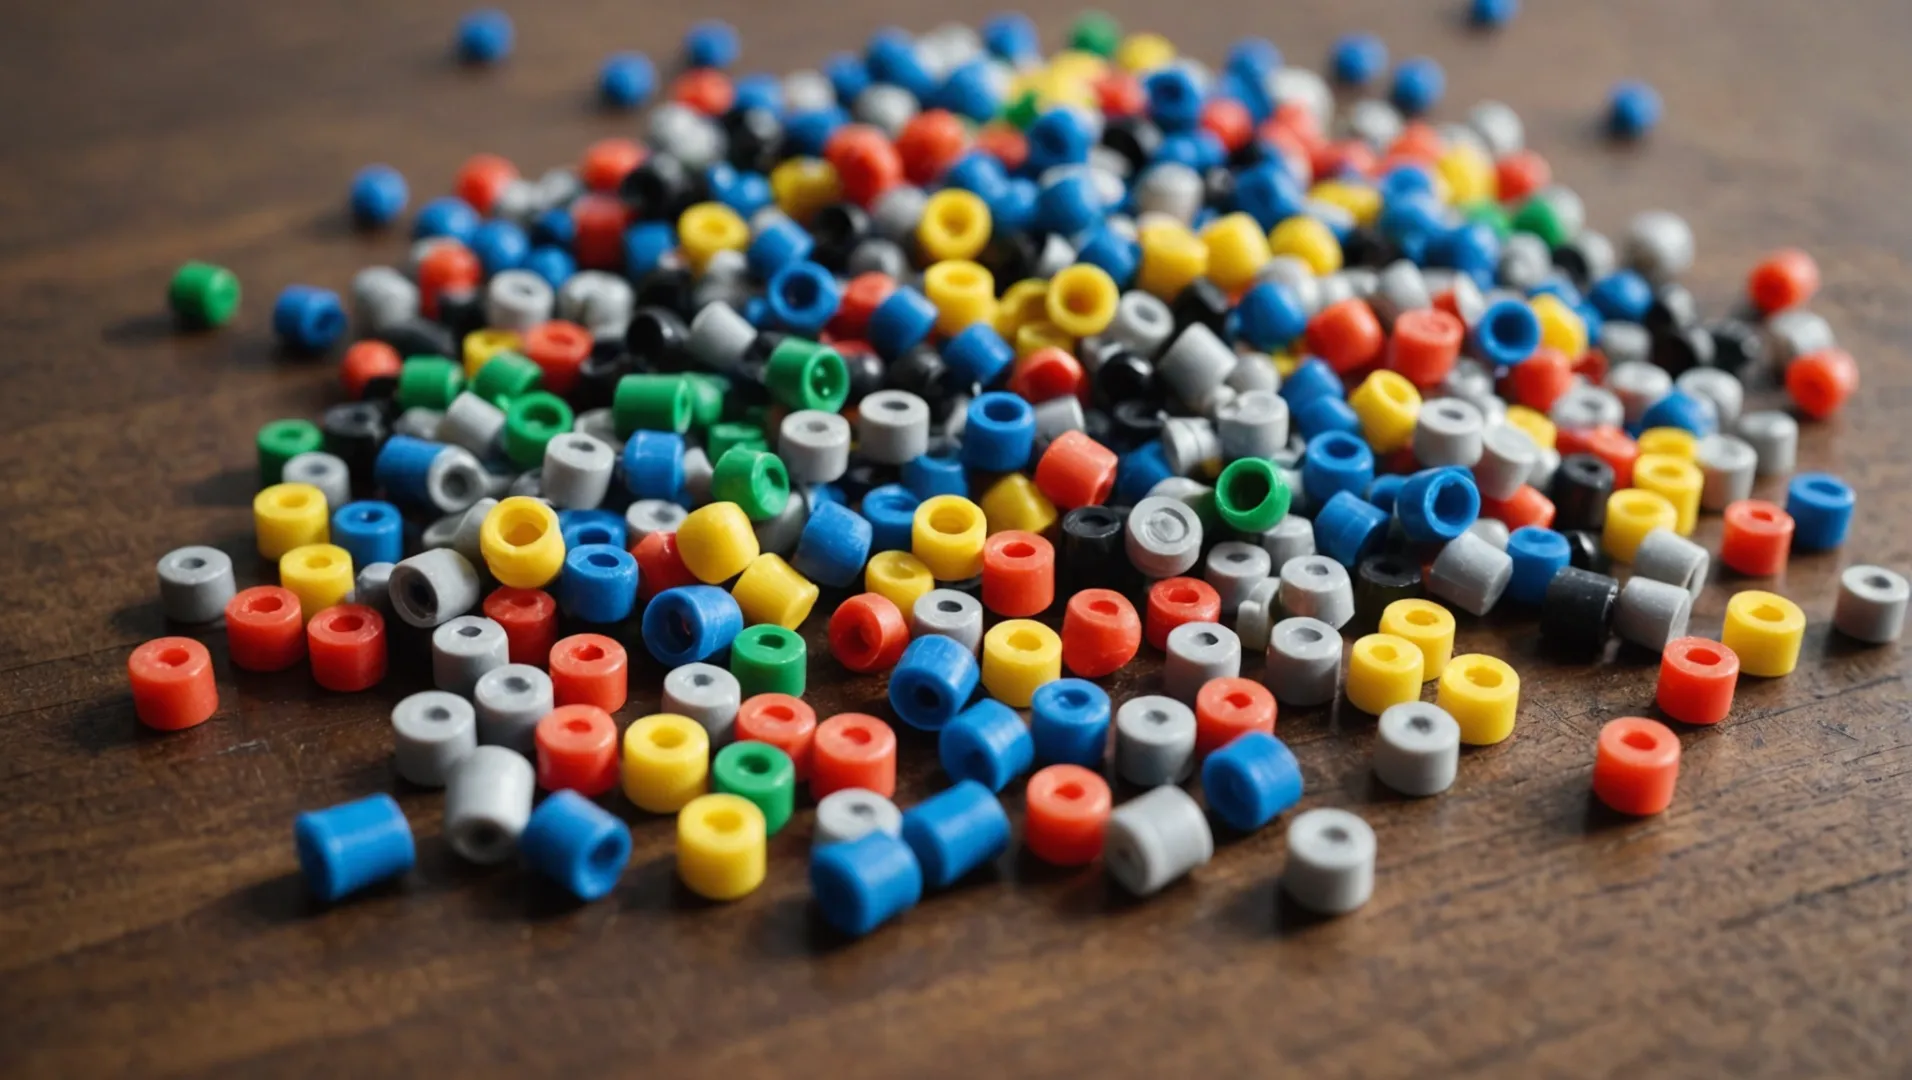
(471,422)
(1506,460)
(1727,465)
(779,533)
(1304,662)
(509,701)
(1154,741)
(464,649)
(1871,604)
(849,813)
(1195,363)
(373,587)
(1651,613)
(577,472)
(1190,445)
(1164,537)
(1291,538)
(1417,748)
(1234,568)
(1665,555)
(707,694)
(814,446)
(647,516)
(1198,652)
(1639,385)
(892,427)
(324,471)
(195,584)
(1774,437)
(1448,431)
(1255,424)
(1155,838)
(1255,615)
(432,731)
(433,587)
(1471,573)
(953,614)
(1330,867)
(518,300)
(487,802)
(1722,388)
(1317,587)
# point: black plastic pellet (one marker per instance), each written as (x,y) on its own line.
(866,372)
(1093,551)
(1136,138)
(660,189)
(921,371)
(837,229)
(1581,486)
(353,432)
(1011,257)
(656,338)
(1673,308)
(1123,376)
(1683,349)
(1577,617)
(755,139)
(461,311)
(598,376)
(1132,423)
(419,337)
(1380,580)
(1738,346)
(1218,187)
(1368,247)
(1586,552)
(671,288)
(1202,302)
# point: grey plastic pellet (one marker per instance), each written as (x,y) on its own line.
(1625,343)
(885,107)
(1639,385)
(1448,431)
(372,587)
(1651,613)
(1793,334)
(1596,253)
(433,587)
(1198,652)
(1291,538)
(1156,838)
(1665,555)
(1169,188)
(955,615)
(1291,452)
(1296,275)
(1659,245)
(719,337)
(382,296)
(1491,530)
(892,427)
(516,201)
(1498,126)
(467,537)
(697,472)
(1330,868)
(1191,493)
(1298,85)
(1371,120)
(896,212)
(510,700)
(577,472)
(1417,748)
(1253,371)
(441,532)
(1470,573)
(1585,407)
(432,731)
(707,694)
(1774,437)
(807,90)
(875,255)
(1545,466)
(779,533)
(1255,615)
(1154,741)
(1056,417)
(1871,604)
(529,483)
(1213,401)
(1334,288)
(1164,537)
(1399,288)
(1190,445)
(455,480)
(1727,464)
(597,301)
(464,649)
(1195,363)
(814,446)
(1469,381)
(323,471)
(1507,458)
(1304,661)
(471,422)
(1525,262)
(487,802)
(1255,424)
(599,424)
(1721,388)
(195,584)
(518,300)
(1317,587)
(418,422)
(1234,568)
(647,516)
(851,813)
(686,135)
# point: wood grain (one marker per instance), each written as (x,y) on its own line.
(150,920)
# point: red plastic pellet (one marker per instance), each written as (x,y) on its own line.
(1226,708)
(867,163)
(1787,278)
(1076,471)
(1345,156)
(173,687)
(530,619)
(265,630)
(1592,366)
(607,162)
(1425,344)
(1418,140)
(851,750)
(1120,94)
(659,566)
(1019,574)
(1004,142)
(930,143)
(481,178)
(1298,121)
(448,267)
(868,633)
(707,90)
(559,349)
(1520,174)
(1636,762)
(1100,632)
(590,669)
(1606,442)
(1697,678)
(347,646)
(784,722)
(861,297)
(1757,538)
(1047,373)
(1538,381)
(1177,600)
(577,749)
(1820,382)
(366,361)
(1228,120)
(598,221)
(1066,815)
(1346,334)
(1526,506)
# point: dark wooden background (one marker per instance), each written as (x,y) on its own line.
(150,918)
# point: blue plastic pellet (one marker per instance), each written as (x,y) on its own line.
(1403,180)
(379,195)
(1623,294)
(999,433)
(778,244)
(1633,109)
(891,511)
(1557,284)
(308,320)
(1357,59)
(711,43)
(1118,256)
(1251,780)
(1385,490)
(1679,409)
(576,843)
(1012,38)
(1411,216)
(1323,415)
(1253,58)
(893,59)
(1311,379)
(978,354)
(1336,461)
(1174,98)
(743,191)
(861,884)
(1269,194)
(931,683)
(371,532)
(1821,507)
(1138,471)
(653,464)
(690,623)
(598,584)
(403,469)
(347,847)
(901,322)
(956,830)
(1506,333)
(1419,84)
(759,91)
(627,80)
(987,743)
(834,545)
(972,92)
(1069,723)
(1348,528)
(447,215)
(1271,316)
(1436,505)
(1472,247)
(500,245)
(1013,209)
(1069,204)
(1492,13)
(930,475)
(1538,555)
(848,75)
(554,264)
(825,493)
(1058,137)
(980,174)
(554,228)
(485,36)
(580,527)
(802,297)
(647,242)
(809,131)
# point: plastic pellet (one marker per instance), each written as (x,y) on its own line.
(1234,568)
(509,702)
(1417,748)
(590,669)
(1821,506)
(487,803)
(172,683)
(1482,694)
(1317,587)
(1632,514)
(1871,604)
(1251,780)
(691,623)
(955,831)
(1154,741)
(1471,574)
(1255,615)
(852,813)
(721,852)
(933,681)
(1383,671)
(195,584)
(1765,631)
(1651,613)
(433,587)
(1291,538)
(1199,652)
(986,743)
(1019,655)
(1664,555)
(760,773)
(1330,867)
(1727,465)
(1155,839)
(1577,616)
(1304,662)
(577,750)
(1164,537)
(1697,678)
(1774,437)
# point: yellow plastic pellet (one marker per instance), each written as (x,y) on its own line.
(1765,631)
(1361,201)
(1308,240)
(1172,258)
(1671,441)
(964,294)
(708,228)
(721,846)
(285,516)
(1285,363)
(771,591)
(1032,337)
(1631,514)
(899,577)
(1536,424)
(1677,478)
(804,185)
(1482,694)
(1081,300)
(1019,656)
(1143,52)
(1383,670)
(1469,174)
(947,534)
(1237,250)
(1022,303)
(320,575)
(1075,64)
(955,225)
(666,762)
(1015,503)
(1561,327)
(1387,405)
(521,543)
(716,542)
(481,345)
(1427,626)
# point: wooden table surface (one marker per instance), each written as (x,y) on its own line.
(151,921)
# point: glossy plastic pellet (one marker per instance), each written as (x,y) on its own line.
(1164,537)
(487,803)
(861,883)
(1697,678)
(1076,471)
(1651,613)
(1251,780)
(1066,815)
(1678,480)
(1154,741)
(195,584)
(1821,506)
(1765,630)
(1577,616)
(852,813)
(716,542)
(1632,514)
(1774,437)
(1470,573)
(1417,749)
(172,683)
(666,761)
(1727,465)
(1436,505)
(347,646)
(1251,495)
(707,694)
(769,659)
(1383,671)
(814,446)
(1317,587)
(986,743)
(1303,662)
(955,831)
(1537,554)
(433,587)
(1156,838)
(721,851)
(1757,539)
(1199,652)
(1871,604)
(1448,431)
(1018,577)
(1428,626)
(760,773)
(345,848)
(1330,867)
(286,516)
(1482,694)
(320,575)
(1636,765)
(851,751)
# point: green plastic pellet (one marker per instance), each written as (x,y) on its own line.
(505,376)
(761,773)
(203,295)
(531,420)
(282,440)
(1539,217)
(767,659)
(1489,213)
(1095,32)
(805,375)
(1251,495)
(428,382)
(707,395)
(651,403)
(753,479)
(1023,111)
(728,436)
